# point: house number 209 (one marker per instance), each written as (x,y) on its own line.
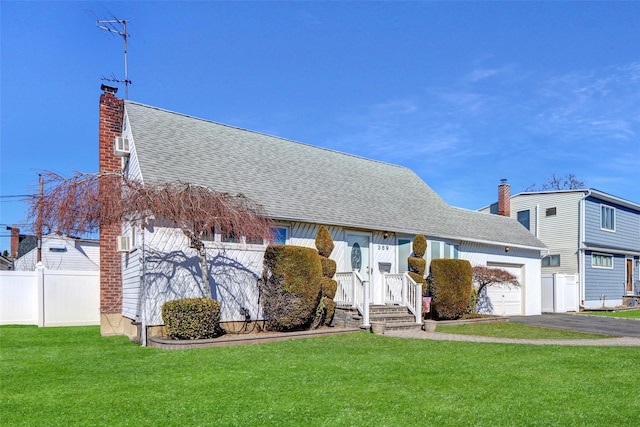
(383,247)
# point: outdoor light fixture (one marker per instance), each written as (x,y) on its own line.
(385,235)
(507,248)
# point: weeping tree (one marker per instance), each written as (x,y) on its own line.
(82,203)
(487,276)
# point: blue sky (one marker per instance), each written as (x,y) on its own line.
(462,93)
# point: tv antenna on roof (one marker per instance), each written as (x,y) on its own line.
(119,27)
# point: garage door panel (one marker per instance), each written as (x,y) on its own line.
(503,299)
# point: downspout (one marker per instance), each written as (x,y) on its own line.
(141,309)
(581,248)
(537,221)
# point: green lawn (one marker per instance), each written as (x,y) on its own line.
(513,330)
(72,376)
(629,314)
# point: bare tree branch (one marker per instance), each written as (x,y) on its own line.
(487,276)
(84,202)
(555,182)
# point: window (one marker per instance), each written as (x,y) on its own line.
(524,219)
(601,261)
(209,235)
(280,235)
(607,218)
(404,252)
(551,212)
(254,241)
(231,238)
(443,250)
(435,250)
(551,261)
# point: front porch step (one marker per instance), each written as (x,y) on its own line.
(403,326)
(395,317)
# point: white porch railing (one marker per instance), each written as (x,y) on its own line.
(401,289)
(353,291)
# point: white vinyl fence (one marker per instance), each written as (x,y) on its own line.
(50,297)
(560,293)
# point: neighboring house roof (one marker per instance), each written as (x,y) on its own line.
(5,263)
(27,244)
(62,253)
(300,182)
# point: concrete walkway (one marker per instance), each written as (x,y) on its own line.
(440,336)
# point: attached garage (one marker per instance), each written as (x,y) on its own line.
(504,299)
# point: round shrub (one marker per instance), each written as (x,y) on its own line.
(191,318)
(419,245)
(328,267)
(329,287)
(417,265)
(324,242)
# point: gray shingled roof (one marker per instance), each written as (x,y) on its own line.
(295,181)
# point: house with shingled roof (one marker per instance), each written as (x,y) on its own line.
(369,207)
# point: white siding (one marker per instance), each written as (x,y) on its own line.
(559,232)
(69,259)
(527,260)
(172,271)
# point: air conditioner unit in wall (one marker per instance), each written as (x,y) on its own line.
(124,243)
(121,145)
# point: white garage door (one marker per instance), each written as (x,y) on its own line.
(505,300)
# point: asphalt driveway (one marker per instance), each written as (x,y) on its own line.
(583,323)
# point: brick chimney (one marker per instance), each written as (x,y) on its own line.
(504,198)
(110,126)
(15,241)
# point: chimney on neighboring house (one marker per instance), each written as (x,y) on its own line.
(110,126)
(504,198)
(15,241)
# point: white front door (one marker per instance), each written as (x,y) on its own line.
(358,254)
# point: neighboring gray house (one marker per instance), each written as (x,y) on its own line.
(589,233)
(59,253)
(365,204)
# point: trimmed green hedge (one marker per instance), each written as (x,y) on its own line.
(419,245)
(451,284)
(329,267)
(329,287)
(324,242)
(418,265)
(291,286)
(191,318)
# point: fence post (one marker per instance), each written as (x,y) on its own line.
(41,296)
(365,305)
(405,286)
